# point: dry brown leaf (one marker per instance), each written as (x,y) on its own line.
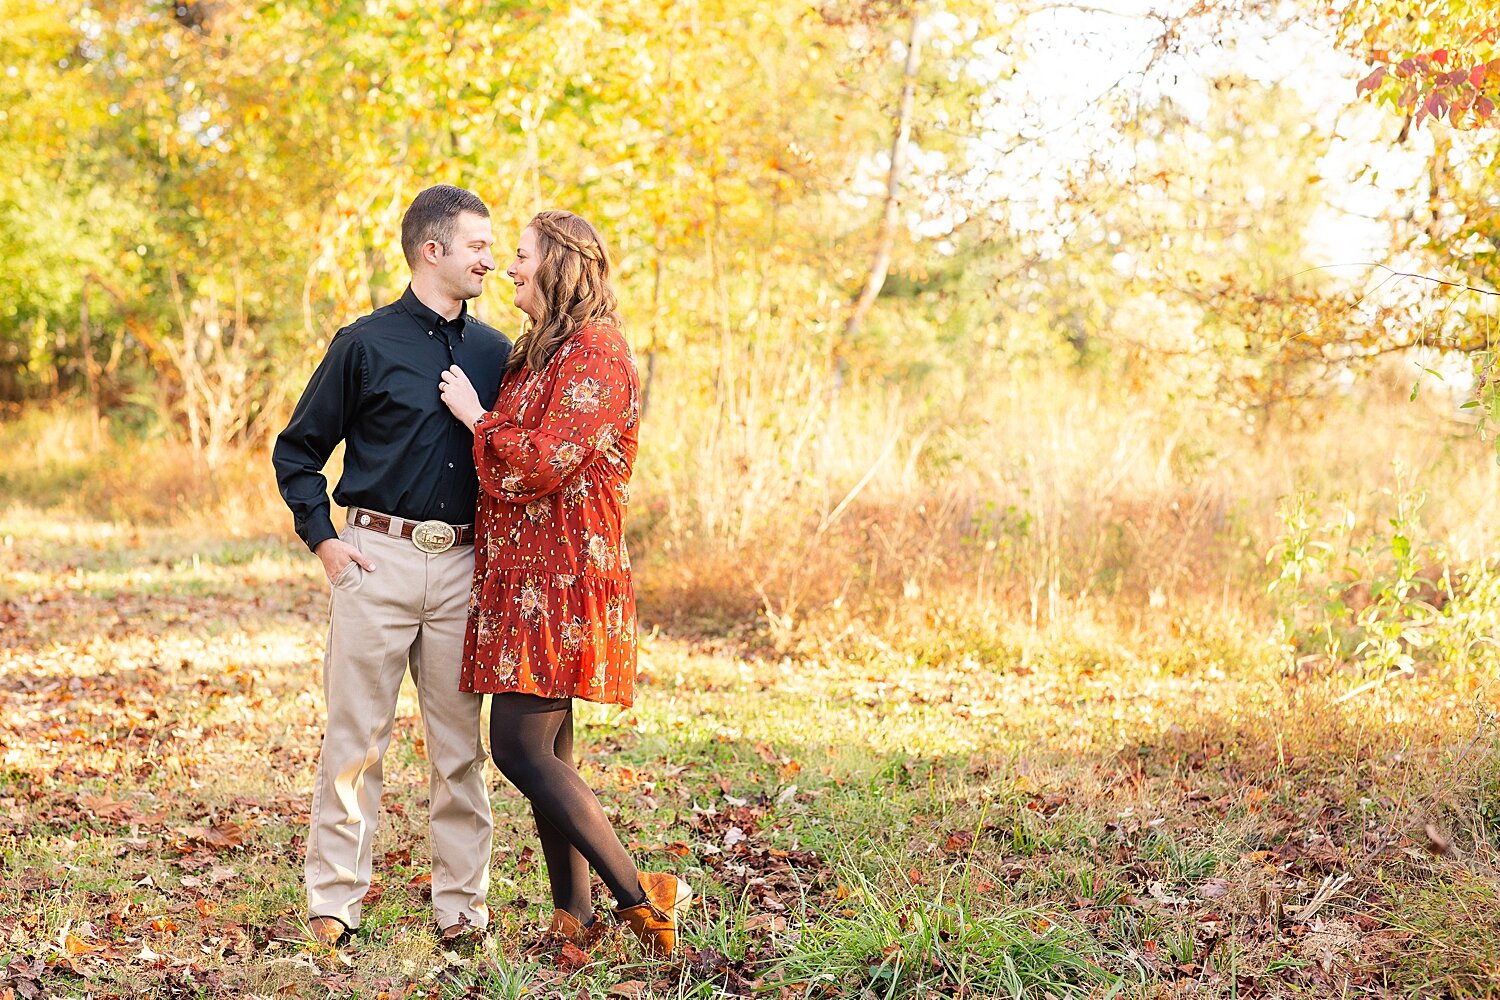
(1438,842)
(1214,888)
(570,957)
(959,840)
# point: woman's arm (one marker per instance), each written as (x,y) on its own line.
(594,400)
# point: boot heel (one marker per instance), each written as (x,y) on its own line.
(684,899)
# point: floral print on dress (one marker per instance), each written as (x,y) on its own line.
(578,488)
(538,511)
(487,626)
(614,617)
(505,669)
(531,600)
(554,606)
(600,553)
(566,458)
(585,395)
(574,633)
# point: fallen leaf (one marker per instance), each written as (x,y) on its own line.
(75,945)
(959,840)
(774,921)
(1214,888)
(571,958)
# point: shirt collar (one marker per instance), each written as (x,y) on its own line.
(431,320)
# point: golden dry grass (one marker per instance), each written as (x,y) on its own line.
(998,708)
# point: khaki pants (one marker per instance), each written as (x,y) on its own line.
(409,613)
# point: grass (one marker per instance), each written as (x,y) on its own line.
(1070,818)
(1015,717)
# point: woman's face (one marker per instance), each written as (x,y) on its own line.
(522,269)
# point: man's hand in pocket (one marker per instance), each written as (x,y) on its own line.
(336,554)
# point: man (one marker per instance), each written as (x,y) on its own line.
(402,567)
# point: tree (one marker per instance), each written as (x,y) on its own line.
(1431,59)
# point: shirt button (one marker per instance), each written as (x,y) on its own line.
(450,465)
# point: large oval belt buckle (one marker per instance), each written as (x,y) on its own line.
(433,537)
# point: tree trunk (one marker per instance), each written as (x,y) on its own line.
(884,242)
(90,376)
(659,247)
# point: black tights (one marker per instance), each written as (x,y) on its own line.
(531,739)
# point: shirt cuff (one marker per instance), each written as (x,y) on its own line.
(319,531)
(489,421)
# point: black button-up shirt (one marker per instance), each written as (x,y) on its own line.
(377,390)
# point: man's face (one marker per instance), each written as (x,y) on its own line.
(522,270)
(462,269)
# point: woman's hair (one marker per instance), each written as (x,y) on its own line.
(570,287)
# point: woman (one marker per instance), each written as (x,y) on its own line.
(552,617)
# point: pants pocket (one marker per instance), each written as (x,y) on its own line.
(352,574)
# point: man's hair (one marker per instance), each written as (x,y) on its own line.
(433,215)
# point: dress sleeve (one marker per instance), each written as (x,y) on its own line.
(592,403)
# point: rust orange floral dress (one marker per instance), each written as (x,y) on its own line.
(553,608)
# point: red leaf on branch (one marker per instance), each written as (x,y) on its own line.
(1440,56)
(1370,82)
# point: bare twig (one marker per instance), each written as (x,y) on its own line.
(1404,274)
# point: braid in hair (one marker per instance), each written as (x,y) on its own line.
(589,248)
(571,284)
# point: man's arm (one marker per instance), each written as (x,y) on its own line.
(318,424)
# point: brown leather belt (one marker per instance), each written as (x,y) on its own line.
(429,536)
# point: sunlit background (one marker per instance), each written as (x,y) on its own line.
(1040,386)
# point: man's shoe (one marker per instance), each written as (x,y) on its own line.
(326,930)
(655,921)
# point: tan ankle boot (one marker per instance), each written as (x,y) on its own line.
(655,920)
(566,926)
(565,929)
